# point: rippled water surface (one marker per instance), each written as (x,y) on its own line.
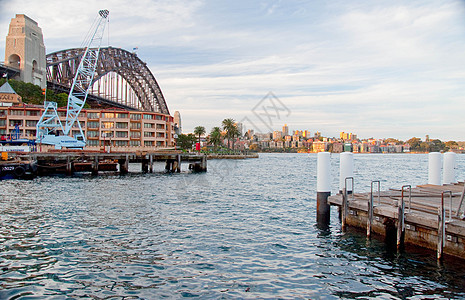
(244,229)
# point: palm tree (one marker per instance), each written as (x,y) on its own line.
(229,126)
(199,130)
(215,137)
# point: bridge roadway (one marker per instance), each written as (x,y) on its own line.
(78,160)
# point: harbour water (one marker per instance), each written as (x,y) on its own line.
(244,229)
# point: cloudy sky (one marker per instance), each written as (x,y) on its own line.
(374,68)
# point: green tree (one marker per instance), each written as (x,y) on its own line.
(185,141)
(436,145)
(228,126)
(215,137)
(452,145)
(414,143)
(199,130)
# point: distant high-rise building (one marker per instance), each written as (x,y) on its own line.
(177,122)
(25,50)
(285,130)
(240,127)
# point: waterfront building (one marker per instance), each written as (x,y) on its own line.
(320,146)
(126,130)
(277,135)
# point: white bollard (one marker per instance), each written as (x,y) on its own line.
(434,168)
(448,175)
(346,169)
(323,188)
(323,176)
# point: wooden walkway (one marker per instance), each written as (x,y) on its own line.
(426,216)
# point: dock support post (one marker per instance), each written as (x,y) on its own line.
(145,165)
(323,188)
(178,158)
(151,164)
(434,168)
(203,164)
(95,166)
(401,223)
(168,166)
(441,229)
(344,209)
(370,214)
(123,165)
(69,167)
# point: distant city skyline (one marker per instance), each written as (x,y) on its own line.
(378,69)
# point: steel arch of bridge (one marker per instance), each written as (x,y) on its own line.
(62,66)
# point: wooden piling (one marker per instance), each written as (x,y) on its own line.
(344,209)
(95,166)
(69,166)
(151,163)
(370,215)
(400,224)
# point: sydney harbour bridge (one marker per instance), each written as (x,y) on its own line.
(122,79)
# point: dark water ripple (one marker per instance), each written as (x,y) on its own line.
(245,229)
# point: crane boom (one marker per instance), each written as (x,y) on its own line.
(82,83)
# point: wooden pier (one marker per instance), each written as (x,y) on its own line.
(82,161)
(429,216)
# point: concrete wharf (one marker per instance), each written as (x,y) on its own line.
(78,161)
(429,216)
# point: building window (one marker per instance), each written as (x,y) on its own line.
(149,134)
(2,122)
(93,143)
(30,133)
(108,115)
(160,134)
(134,143)
(15,112)
(121,134)
(158,117)
(121,125)
(107,134)
(121,143)
(148,117)
(92,124)
(108,125)
(32,112)
(135,125)
(135,116)
(92,133)
(148,143)
(149,125)
(16,122)
(160,144)
(31,123)
(135,134)
(122,115)
(160,126)
(92,115)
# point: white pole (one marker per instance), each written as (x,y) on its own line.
(434,168)
(323,179)
(346,169)
(449,168)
